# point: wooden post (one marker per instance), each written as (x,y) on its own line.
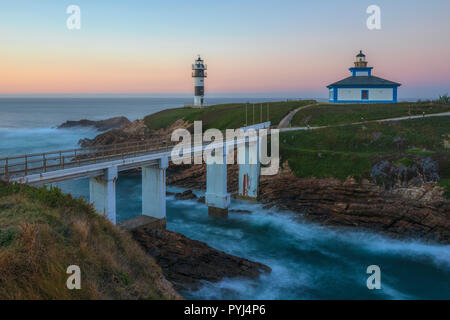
(6,167)
(60,158)
(63,162)
(246,122)
(260,114)
(26,165)
(253,114)
(45,162)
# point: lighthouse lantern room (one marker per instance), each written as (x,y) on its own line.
(199,75)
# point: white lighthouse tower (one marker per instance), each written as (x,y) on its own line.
(199,75)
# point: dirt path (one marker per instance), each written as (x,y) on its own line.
(284,123)
(443,114)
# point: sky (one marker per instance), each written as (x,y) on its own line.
(265,48)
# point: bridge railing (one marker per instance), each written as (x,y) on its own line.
(23,165)
(37,163)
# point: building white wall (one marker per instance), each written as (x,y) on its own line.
(375,94)
(362,73)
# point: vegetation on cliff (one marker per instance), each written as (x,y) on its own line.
(353,150)
(42,232)
(225,116)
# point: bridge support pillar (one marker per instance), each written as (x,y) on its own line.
(249,170)
(102,193)
(217,198)
(154,190)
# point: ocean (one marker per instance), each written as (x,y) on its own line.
(308,261)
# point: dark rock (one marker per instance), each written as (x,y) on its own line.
(417,210)
(187,262)
(102,125)
(385,174)
(240,211)
(201,199)
(186,195)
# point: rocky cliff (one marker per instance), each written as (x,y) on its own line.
(187,262)
(412,211)
(102,125)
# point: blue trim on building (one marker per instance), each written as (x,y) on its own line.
(363,101)
(354,70)
(368,87)
(395,94)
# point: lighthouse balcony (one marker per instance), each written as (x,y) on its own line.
(197,74)
(199,67)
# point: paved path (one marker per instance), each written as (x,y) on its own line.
(444,114)
(284,123)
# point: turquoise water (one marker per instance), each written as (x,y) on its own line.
(308,261)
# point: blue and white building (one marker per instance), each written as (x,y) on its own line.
(362,86)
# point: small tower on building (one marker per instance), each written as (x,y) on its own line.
(199,75)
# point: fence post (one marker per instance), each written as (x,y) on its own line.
(63,162)
(60,159)
(6,167)
(260,114)
(26,165)
(45,162)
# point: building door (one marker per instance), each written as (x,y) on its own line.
(365,95)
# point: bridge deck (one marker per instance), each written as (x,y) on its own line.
(55,166)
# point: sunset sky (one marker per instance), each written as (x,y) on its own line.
(252,47)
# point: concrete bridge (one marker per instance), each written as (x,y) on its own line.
(103,164)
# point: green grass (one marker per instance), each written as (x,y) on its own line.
(42,232)
(337,114)
(225,116)
(351,151)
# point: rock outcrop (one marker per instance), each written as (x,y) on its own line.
(363,204)
(101,125)
(421,172)
(186,262)
(411,211)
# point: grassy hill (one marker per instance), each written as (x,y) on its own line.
(43,231)
(352,150)
(225,116)
(336,114)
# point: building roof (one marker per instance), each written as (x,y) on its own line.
(364,81)
(361,54)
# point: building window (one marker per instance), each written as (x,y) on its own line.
(365,94)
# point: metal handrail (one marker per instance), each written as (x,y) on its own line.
(22,165)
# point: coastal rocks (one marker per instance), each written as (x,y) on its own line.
(135,131)
(187,262)
(137,128)
(410,211)
(186,195)
(240,211)
(359,204)
(114,136)
(179,124)
(102,125)
(420,172)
